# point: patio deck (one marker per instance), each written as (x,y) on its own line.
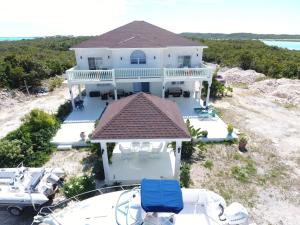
(80,121)
(83,121)
(131,168)
(217,129)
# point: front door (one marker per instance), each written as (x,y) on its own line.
(145,87)
(141,86)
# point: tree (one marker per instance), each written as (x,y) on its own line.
(246,60)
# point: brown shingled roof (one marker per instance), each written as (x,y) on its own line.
(137,34)
(141,116)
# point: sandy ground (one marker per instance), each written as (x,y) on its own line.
(12,110)
(274,147)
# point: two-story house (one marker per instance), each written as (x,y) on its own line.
(139,57)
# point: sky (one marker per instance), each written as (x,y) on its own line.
(27,18)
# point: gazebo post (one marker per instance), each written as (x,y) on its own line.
(103,150)
(177,158)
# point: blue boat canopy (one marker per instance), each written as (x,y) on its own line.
(161,196)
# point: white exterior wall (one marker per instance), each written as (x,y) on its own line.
(112,57)
(156,88)
(83,54)
(103,88)
(174,52)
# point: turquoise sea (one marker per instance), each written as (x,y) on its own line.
(291,45)
(15,38)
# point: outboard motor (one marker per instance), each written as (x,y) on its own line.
(236,214)
(55,180)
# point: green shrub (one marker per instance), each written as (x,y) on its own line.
(204,133)
(78,185)
(217,89)
(187,150)
(208,164)
(10,153)
(34,136)
(98,170)
(64,110)
(185,178)
(55,82)
(244,173)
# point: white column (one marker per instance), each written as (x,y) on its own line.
(79,90)
(200,89)
(115,85)
(208,92)
(163,83)
(72,96)
(177,159)
(103,150)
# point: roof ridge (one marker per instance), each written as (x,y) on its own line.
(120,111)
(163,113)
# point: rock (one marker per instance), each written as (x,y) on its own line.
(284,91)
(238,76)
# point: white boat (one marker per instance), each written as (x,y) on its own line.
(157,205)
(22,187)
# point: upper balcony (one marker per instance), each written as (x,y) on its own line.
(76,75)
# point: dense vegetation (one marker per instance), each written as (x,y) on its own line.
(79,185)
(241,36)
(35,60)
(272,61)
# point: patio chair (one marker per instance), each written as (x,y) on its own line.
(135,146)
(146,146)
(125,151)
(156,149)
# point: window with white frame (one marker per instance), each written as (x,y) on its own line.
(184,61)
(95,63)
(138,57)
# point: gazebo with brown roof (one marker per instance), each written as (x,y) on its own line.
(141,118)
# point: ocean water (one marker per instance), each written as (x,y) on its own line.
(292,45)
(15,38)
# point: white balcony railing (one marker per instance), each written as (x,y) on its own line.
(118,74)
(135,73)
(188,72)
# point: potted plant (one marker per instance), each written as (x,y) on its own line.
(243,140)
(204,133)
(229,129)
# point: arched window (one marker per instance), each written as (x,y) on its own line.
(138,57)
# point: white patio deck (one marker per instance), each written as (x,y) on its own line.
(134,166)
(80,121)
(217,129)
(83,121)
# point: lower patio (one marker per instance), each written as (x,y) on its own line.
(84,120)
(156,162)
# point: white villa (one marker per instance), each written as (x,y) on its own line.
(126,63)
(139,57)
